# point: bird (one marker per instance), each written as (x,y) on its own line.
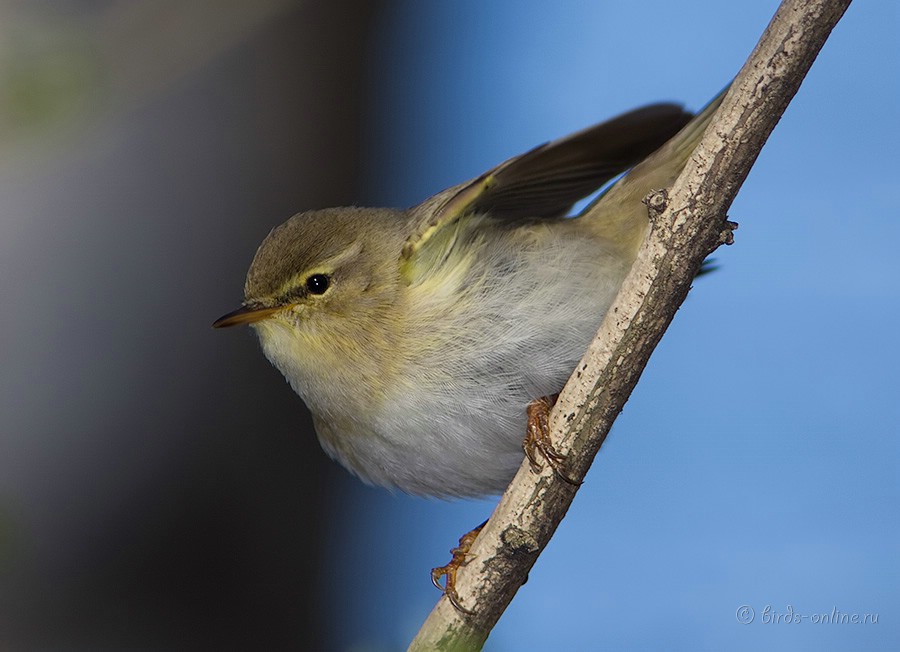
(418,337)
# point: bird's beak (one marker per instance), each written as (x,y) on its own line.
(245,315)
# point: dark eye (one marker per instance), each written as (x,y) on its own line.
(318,283)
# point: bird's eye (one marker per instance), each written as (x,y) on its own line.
(318,283)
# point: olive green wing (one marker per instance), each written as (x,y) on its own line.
(546,181)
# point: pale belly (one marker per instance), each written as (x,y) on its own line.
(456,428)
(449,419)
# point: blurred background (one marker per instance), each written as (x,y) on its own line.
(161,486)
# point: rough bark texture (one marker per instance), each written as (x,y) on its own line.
(688,223)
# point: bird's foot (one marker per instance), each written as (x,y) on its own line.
(460,558)
(537,439)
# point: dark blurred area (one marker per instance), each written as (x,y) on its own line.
(160,487)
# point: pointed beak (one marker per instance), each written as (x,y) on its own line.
(245,315)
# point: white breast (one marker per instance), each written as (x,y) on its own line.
(454,419)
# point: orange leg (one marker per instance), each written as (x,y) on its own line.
(460,558)
(537,439)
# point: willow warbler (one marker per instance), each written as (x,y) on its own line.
(418,337)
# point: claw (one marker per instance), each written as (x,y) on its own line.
(537,438)
(460,557)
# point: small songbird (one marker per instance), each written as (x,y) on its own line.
(418,337)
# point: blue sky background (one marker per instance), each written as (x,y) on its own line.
(757,461)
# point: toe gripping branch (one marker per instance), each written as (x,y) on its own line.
(537,439)
(537,442)
(460,558)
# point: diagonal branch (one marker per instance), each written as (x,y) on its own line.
(687,224)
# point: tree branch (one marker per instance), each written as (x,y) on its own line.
(687,224)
